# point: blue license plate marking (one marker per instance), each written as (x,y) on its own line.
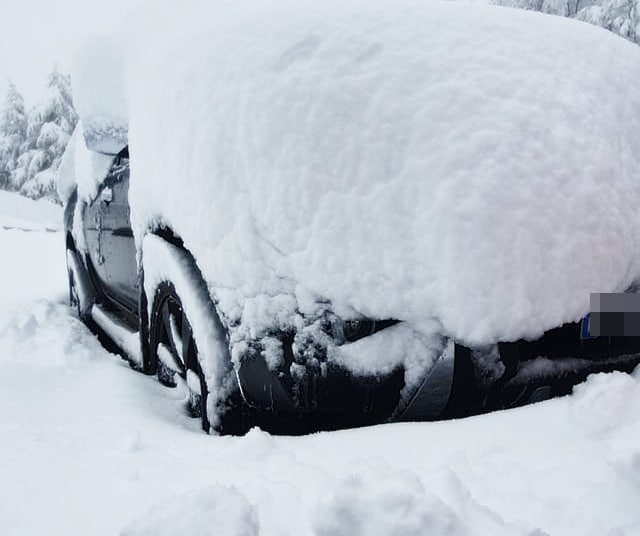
(585,328)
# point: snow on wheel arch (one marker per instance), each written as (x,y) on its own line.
(164,262)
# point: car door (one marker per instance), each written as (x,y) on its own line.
(92,217)
(118,269)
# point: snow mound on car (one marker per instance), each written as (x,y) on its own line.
(415,160)
(100,71)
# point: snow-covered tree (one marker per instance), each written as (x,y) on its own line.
(619,16)
(49,127)
(13,133)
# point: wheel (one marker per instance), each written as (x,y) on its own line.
(174,350)
(183,337)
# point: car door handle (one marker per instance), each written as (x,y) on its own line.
(106,196)
(122,231)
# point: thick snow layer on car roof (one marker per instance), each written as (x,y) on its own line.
(100,71)
(414,160)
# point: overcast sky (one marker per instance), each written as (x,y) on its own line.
(37,34)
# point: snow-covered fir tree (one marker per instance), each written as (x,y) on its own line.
(49,127)
(13,134)
(619,16)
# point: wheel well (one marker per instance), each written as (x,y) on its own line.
(185,280)
(166,233)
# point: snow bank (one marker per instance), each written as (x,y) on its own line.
(93,447)
(470,165)
(34,263)
(213,511)
(395,503)
(46,334)
(18,212)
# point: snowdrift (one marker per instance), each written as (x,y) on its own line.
(470,166)
(94,448)
(21,213)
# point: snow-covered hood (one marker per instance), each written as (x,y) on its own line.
(468,165)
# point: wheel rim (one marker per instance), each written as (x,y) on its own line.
(175,343)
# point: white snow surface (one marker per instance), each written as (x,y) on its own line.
(90,446)
(213,511)
(19,212)
(428,161)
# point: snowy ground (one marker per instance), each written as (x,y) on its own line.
(90,447)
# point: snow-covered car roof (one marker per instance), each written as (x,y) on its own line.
(465,166)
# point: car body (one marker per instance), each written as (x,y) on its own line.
(272,225)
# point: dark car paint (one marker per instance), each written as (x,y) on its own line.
(109,237)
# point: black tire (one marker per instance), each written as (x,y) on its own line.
(171,333)
(170,327)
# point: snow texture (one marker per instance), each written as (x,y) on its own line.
(381,352)
(99,71)
(96,448)
(467,165)
(213,511)
(397,504)
(25,214)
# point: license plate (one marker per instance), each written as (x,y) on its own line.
(585,324)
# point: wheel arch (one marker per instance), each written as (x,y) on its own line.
(165,259)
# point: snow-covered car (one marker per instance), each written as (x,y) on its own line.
(315,215)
